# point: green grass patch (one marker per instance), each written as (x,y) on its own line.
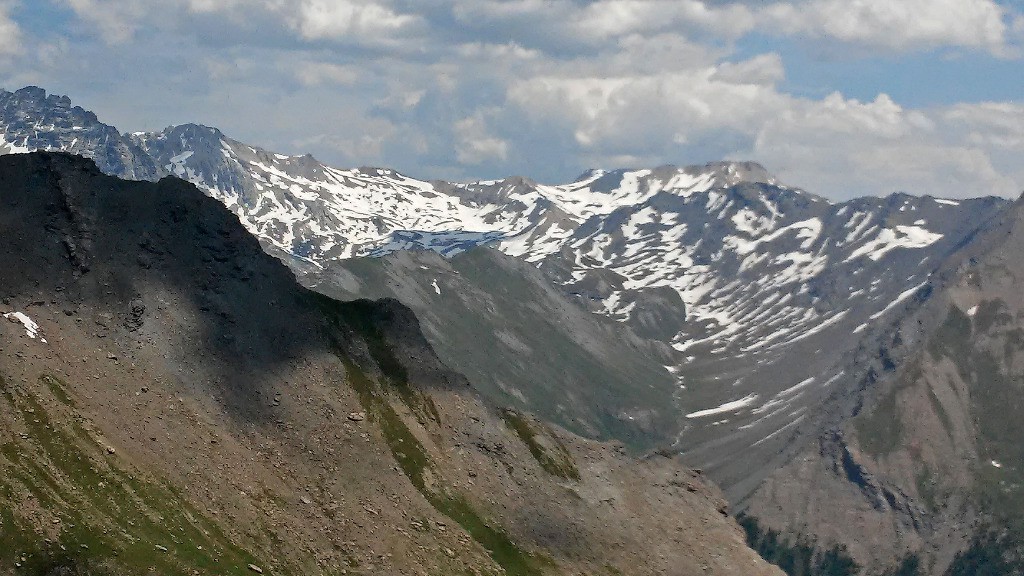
(557,375)
(991,313)
(110,521)
(910,566)
(993,552)
(997,406)
(1014,343)
(364,317)
(58,388)
(559,464)
(416,464)
(880,430)
(407,450)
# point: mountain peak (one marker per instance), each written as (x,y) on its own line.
(36,96)
(33,92)
(722,173)
(32,120)
(740,171)
(191,130)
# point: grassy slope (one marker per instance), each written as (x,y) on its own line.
(67,503)
(412,457)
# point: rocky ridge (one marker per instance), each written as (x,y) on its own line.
(178,401)
(738,273)
(785,319)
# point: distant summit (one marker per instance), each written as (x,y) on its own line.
(31,120)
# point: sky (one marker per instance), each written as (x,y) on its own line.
(843,98)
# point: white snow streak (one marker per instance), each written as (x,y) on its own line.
(31,328)
(727,407)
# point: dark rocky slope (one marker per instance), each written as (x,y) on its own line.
(176,403)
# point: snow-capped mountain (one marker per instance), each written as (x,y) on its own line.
(760,287)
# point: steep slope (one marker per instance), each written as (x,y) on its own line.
(497,320)
(796,331)
(928,471)
(743,276)
(178,403)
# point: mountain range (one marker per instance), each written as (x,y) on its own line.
(755,328)
(174,402)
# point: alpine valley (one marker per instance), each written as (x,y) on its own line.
(848,373)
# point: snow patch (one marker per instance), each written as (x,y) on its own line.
(31,328)
(12,148)
(182,157)
(889,239)
(903,296)
(727,407)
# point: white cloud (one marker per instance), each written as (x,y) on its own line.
(642,113)
(880,24)
(545,88)
(565,23)
(998,125)
(363,144)
(206,6)
(474,145)
(342,19)
(766,69)
(836,146)
(11,39)
(643,54)
(611,18)
(899,25)
(352,21)
(847,148)
(490,51)
(317,73)
(115,21)
(489,11)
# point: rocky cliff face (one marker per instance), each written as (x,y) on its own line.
(177,402)
(927,471)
